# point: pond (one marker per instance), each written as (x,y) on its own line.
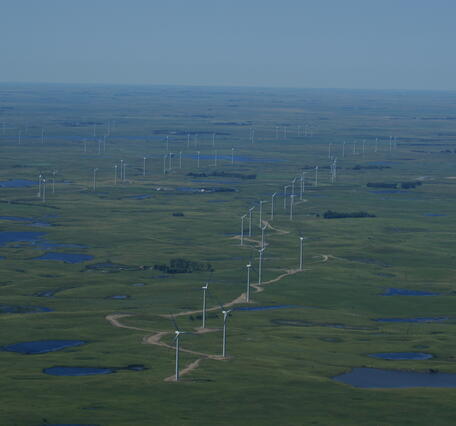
(236,158)
(17,183)
(16,309)
(139,197)
(399,356)
(42,346)
(265,308)
(65,257)
(7,237)
(404,292)
(417,319)
(378,378)
(77,371)
(88,371)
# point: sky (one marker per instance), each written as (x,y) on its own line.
(353,44)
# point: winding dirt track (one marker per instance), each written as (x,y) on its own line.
(156,338)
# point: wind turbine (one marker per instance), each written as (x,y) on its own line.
(53,181)
(302,185)
(261,213)
(247,294)
(44,190)
(376,144)
(260,264)
(250,220)
(291,205)
(232,156)
(293,185)
(197,159)
(39,186)
(285,196)
(180,159)
(242,229)
(272,206)
(188,140)
(176,339)
(144,166)
(262,235)
(225,321)
(204,288)
(316,176)
(164,163)
(301,239)
(115,174)
(95,178)
(213,140)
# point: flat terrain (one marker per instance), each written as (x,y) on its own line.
(195,160)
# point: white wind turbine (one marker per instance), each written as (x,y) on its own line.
(247,293)
(242,229)
(177,345)
(272,205)
(250,220)
(204,288)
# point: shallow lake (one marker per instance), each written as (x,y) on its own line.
(15,309)
(379,378)
(17,183)
(88,371)
(399,356)
(65,257)
(404,292)
(42,346)
(265,308)
(418,319)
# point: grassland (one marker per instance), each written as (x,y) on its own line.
(281,362)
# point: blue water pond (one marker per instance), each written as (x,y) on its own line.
(265,308)
(7,237)
(418,319)
(434,214)
(77,371)
(42,346)
(65,257)
(379,378)
(403,292)
(16,218)
(14,309)
(88,371)
(17,183)
(140,197)
(399,356)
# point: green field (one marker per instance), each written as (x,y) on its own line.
(280,362)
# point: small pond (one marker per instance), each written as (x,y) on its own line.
(88,371)
(42,346)
(15,309)
(399,356)
(65,257)
(17,183)
(417,319)
(404,292)
(379,378)
(265,308)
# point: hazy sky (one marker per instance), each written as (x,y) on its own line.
(399,44)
